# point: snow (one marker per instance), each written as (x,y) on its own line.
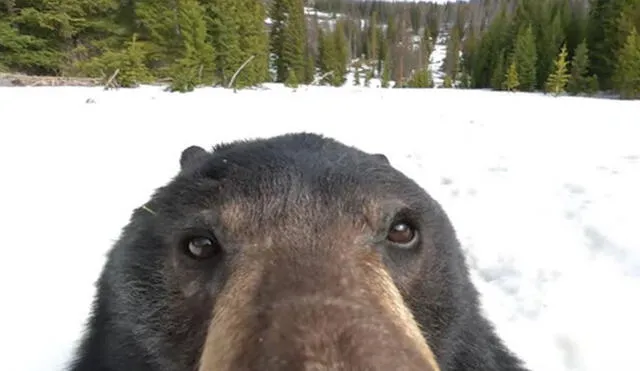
(437,58)
(543,192)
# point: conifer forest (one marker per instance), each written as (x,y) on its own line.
(577,47)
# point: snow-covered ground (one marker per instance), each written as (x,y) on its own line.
(543,192)
(437,58)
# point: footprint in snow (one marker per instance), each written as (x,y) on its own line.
(574,188)
(446,181)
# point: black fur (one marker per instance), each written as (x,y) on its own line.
(141,320)
(190,155)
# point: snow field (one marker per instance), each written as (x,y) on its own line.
(543,192)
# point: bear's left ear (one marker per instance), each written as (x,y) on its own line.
(190,155)
(382,158)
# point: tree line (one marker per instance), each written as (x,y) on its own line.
(552,45)
(579,46)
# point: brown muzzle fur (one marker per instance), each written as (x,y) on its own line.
(313,311)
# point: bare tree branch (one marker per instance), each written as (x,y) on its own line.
(233,78)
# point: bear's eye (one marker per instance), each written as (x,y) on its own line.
(201,247)
(402,234)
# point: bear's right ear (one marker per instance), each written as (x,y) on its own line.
(190,155)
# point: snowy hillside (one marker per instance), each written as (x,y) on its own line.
(543,192)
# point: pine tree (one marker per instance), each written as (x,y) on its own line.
(129,61)
(159,24)
(548,36)
(133,70)
(421,79)
(184,76)
(557,80)
(373,37)
(356,74)
(45,37)
(451,63)
(512,81)
(426,49)
(468,57)
(196,57)
(526,59)
(497,75)
(578,80)
(296,37)
(327,56)
(333,55)
(253,42)
(222,25)
(278,16)
(386,71)
(341,54)
(292,80)
(310,68)
(489,54)
(367,77)
(288,37)
(447,83)
(627,74)
(604,38)
(465,80)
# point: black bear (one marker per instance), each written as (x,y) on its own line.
(296,252)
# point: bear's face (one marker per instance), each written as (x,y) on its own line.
(295,252)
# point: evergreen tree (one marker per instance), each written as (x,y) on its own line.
(128,62)
(295,37)
(222,25)
(489,56)
(196,57)
(451,63)
(253,42)
(327,56)
(549,36)
(385,42)
(468,58)
(497,76)
(557,80)
(447,83)
(579,79)
(576,29)
(278,15)
(526,59)
(41,36)
(373,37)
(292,80)
(184,76)
(465,80)
(386,71)
(342,50)
(159,24)
(367,77)
(627,74)
(421,79)
(310,68)
(604,39)
(288,37)
(512,81)
(426,49)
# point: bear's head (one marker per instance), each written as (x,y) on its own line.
(295,252)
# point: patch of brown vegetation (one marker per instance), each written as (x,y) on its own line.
(11,79)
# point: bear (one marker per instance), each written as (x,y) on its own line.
(292,252)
